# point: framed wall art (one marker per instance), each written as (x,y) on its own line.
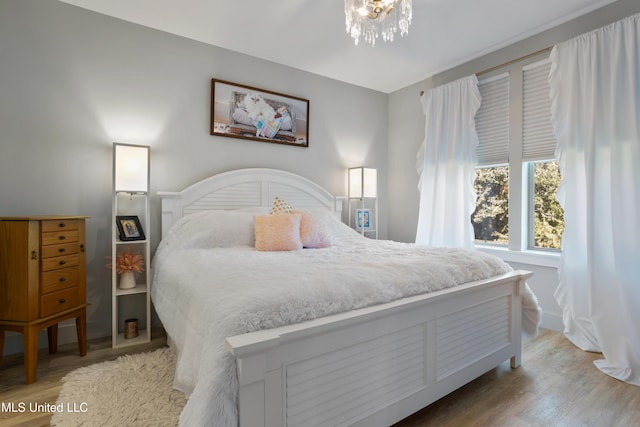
(246,112)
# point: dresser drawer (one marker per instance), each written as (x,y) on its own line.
(59,250)
(58,279)
(56,302)
(59,237)
(57,263)
(59,225)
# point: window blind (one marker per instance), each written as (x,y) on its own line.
(492,121)
(538,141)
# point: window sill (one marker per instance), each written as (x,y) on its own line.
(540,258)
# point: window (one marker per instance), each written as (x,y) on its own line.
(517,178)
(547,217)
(491,217)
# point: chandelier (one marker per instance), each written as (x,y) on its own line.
(370,18)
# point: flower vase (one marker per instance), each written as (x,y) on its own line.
(127,280)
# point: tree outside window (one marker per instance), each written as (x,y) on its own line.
(548,215)
(491,218)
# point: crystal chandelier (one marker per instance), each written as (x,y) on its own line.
(370,18)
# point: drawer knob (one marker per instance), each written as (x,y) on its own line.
(63,262)
(62,224)
(62,237)
(81,248)
(61,250)
(34,255)
(62,279)
(62,301)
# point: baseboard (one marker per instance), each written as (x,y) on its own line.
(552,321)
(67,333)
(13,343)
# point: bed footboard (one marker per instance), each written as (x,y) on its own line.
(376,366)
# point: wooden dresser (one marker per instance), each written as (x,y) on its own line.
(42,281)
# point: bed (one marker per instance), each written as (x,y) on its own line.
(356,332)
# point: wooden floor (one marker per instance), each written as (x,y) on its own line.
(51,369)
(557,385)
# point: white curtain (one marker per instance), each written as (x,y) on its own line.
(595,91)
(446,164)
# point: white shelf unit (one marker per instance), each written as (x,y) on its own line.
(366,225)
(363,201)
(134,302)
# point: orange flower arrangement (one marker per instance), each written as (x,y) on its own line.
(128,261)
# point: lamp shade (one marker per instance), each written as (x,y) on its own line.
(363,182)
(130,168)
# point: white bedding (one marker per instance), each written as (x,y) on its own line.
(204,293)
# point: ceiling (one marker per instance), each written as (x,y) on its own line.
(310,34)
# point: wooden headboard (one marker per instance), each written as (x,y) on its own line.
(244,188)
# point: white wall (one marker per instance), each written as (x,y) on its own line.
(406,133)
(74,81)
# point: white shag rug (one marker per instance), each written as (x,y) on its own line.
(133,390)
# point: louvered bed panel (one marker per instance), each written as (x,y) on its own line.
(293,196)
(467,336)
(244,188)
(375,366)
(238,196)
(331,389)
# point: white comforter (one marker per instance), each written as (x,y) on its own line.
(203,295)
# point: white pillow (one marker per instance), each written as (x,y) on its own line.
(334,229)
(214,229)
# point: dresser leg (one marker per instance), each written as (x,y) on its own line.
(30,353)
(1,344)
(81,329)
(52,338)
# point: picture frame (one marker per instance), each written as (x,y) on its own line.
(363,219)
(246,112)
(129,228)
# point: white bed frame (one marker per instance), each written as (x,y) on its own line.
(369,367)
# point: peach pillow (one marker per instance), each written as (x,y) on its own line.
(312,233)
(278,232)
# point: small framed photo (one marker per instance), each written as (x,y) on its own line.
(129,228)
(363,219)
